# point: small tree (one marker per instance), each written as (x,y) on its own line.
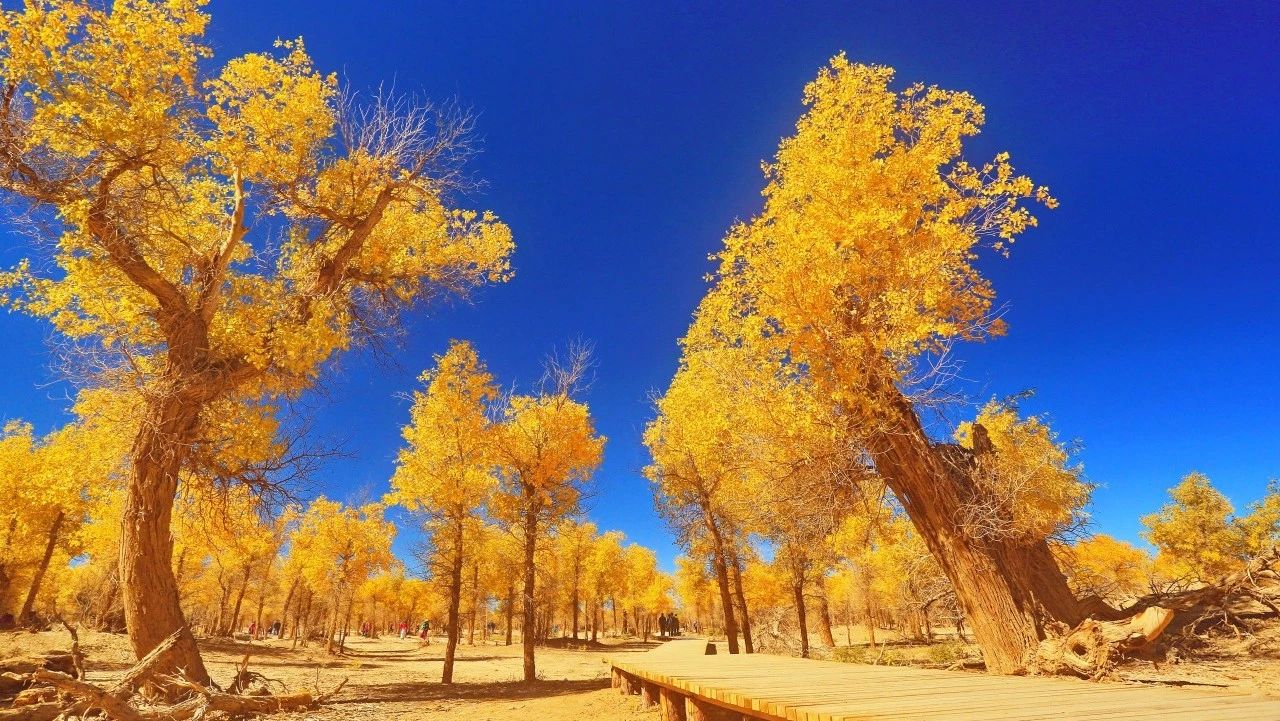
(339,548)
(1198,536)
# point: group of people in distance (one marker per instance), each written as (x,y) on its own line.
(423,630)
(668,625)
(272,631)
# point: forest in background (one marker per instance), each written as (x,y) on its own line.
(788,454)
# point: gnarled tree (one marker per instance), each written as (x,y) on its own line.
(859,274)
(157,187)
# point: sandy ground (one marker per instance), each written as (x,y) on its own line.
(393,679)
(388,678)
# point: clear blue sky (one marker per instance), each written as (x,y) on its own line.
(621,139)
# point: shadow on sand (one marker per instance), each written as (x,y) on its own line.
(496,691)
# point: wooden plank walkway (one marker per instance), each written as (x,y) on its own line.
(691,686)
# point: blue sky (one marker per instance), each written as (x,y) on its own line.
(622,139)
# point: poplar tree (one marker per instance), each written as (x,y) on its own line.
(214,235)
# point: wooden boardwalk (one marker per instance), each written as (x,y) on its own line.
(691,686)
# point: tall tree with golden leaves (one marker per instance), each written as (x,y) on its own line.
(860,265)
(546,448)
(155,171)
(446,468)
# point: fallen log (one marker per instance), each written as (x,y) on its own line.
(33,696)
(83,696)
(142,671)
(1092,648)
(1096,645)
(12,683)
(37,712)
(94,697)
(59,661)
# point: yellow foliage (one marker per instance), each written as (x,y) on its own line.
(1105,567)
(1195,533)
(865,246)
(1033,491)
(446,467)
(545,446)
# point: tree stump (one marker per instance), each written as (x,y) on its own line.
(1090,649)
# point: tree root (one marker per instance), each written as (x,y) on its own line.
(1160,622)
(54,693)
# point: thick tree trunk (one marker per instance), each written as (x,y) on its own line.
(824,612)
(530,575)
(28,606)
(719,561)
(152,610)
(452,629)
(741,597)
(1006,588)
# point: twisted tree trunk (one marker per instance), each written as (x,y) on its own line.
(152,610)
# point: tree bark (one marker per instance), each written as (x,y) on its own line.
(511,608)
(720,562)
(747,645)
(1006,588)
(797,591)
(574,602)
(235,614)
(455,602)
(284,611)
(152,609)
(530,575)
(475,602)
(824,612)
(28,606)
